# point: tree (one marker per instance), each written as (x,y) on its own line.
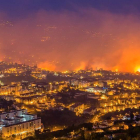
(131,116)
(82,135)
(104,138)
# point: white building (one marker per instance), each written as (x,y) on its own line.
(18,122)
(95,89)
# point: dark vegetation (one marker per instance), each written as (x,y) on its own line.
(6,105)
(133,133)
(52,118)
(13,78)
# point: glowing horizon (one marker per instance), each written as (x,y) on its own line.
(67,41)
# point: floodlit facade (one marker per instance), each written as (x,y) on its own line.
(18,123)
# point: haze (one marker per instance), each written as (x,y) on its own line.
(70,40)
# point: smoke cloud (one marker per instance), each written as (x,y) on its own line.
(72,40)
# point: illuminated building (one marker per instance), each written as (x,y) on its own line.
(18,122)
(77,108)
(95,89)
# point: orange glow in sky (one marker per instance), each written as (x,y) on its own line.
(66,41)
(47,66)
(137,69)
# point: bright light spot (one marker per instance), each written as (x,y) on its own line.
(137,69)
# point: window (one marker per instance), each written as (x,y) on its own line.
(7,115)
(14,114)
(23,112)
(31,124)
(7,130)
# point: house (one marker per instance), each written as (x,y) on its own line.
(102,126)
(77,108)
(108,123)
(99,130)
(90,111)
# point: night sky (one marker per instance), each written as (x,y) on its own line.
(71,34)
(23,8)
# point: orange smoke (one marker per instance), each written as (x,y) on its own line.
(47,66)
(67,41)
(137,69)
(82,66)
